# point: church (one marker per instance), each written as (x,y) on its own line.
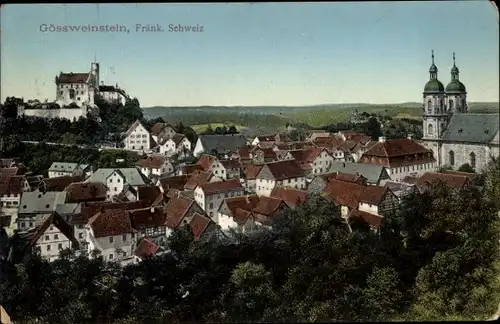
(454,135)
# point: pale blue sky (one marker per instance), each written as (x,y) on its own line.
(257,54)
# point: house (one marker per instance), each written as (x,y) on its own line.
(173,182)
(355,136)
(319,182)
(232,169)
(203,227)
(312,161)
(58,169)
(290,146)
(453,181)
(272,138)
(36,207)
(188,169)
(116,179)
(150,194)
(78,192)
(210,195)
(155,166)
(137,138)
(4,317)
(221,145)
(162,130)
(401,189)
(174,144)
(374,174)
(210,163)
(54,235)
(292,197)
(87,170)
(367,203)
(267,210)
(58,183)
(149,223)
(196,179)
(145,249)
(261,155)
(249,179)
(317,133)
(11,190)
(286,173)
(180,210)
(236,213)
(110,232)
(35,181)
(400,158)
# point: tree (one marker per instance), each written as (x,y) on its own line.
(9,108)
(232,130)
(373,128)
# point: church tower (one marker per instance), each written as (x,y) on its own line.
(456,93)
(435,116)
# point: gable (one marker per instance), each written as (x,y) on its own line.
(265,173)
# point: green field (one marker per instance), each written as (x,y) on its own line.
(198,128)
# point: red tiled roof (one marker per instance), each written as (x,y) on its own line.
(290,196)
(251,171)
(196,179)
(282,170)
(267,206)
(230,164)
(89,209)
(176,209)
(206,161)
(191,168)
(373,194)
(12,185)
(244,152)
(111,222)
(451,180)
(199,224)
(175,182)
(307,155)
(73,77)
(146,248)
(7,163)
(153,162)
(469,175)
(268,152)
(347,177)
(344,193)
(396,148)
(369,218)
(61,183)
(246,202)
(150,194)
(84,191)
(158,128)
(147,217)
(211,188)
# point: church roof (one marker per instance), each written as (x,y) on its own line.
(472,128)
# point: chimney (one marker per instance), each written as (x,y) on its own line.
(381,139)
(410,136)
(152,209)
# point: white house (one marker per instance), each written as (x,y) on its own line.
(210,163)
(11,190)
(59,169)
(54,235)
(162,131)
(137,138)
(236,213)
(401,158)
(35,207)
(287,173)
(116,179)
(313,161)
(113,93)
(156,165)
(174,145)
(210,195)
(249,180)
(111,233)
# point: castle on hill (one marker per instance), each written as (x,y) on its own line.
(75,95)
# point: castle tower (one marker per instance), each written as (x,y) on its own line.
(435,114)
(94,70)
(456,93)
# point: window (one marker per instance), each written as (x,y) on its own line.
(110,180)
(59,246)
(71,94)
(78,98)
(118,180)
(111,256)
(31,223)
(80,235)
(451,157)
(111,239)
(472,160)
(124,238)
(450,102)
(430,130)
(48,247)
(211,205)
(61,93)
(116,189)
(56,237)
(47,237)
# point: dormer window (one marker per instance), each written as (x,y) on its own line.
(460,130)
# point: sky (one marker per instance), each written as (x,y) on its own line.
(284,54)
